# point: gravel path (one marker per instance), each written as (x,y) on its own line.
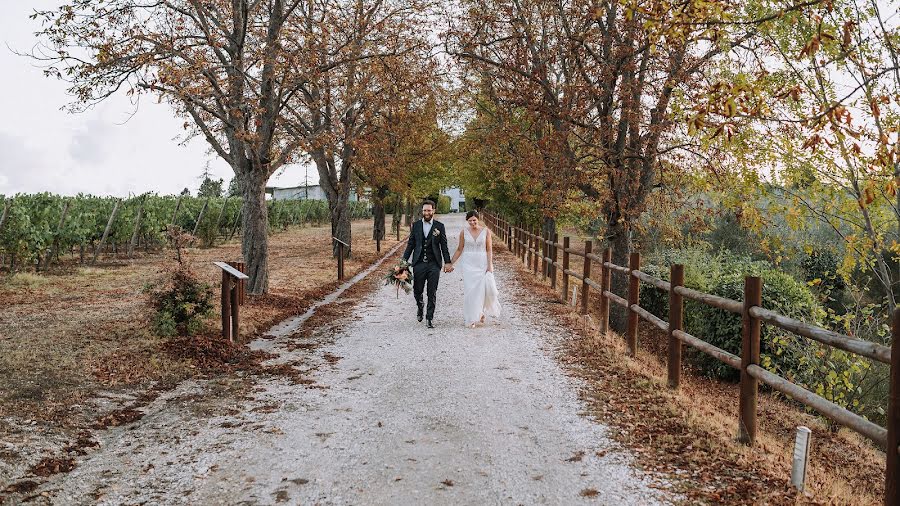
(398,414)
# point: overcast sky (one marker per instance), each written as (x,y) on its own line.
(102,151)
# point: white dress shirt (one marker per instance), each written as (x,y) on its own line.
(426,227)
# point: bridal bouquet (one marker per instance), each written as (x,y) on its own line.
(400,276)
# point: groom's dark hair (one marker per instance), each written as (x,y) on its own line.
(429,203)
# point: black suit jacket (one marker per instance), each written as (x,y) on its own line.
(417,241)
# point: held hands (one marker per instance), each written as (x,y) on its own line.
(448,268)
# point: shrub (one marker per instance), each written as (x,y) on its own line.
(820,267)
(843,378)
(696,276)
(180,301)
(780,350)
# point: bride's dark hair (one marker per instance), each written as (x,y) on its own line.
(470,214)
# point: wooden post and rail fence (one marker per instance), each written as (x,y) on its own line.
(529,247)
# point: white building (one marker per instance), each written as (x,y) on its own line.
(311,192)
(457,199)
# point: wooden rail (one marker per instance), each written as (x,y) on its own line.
(532,248)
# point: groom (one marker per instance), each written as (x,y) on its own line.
(428,246)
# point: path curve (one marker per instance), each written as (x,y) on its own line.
(399,414)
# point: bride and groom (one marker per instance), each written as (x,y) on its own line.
(427,250)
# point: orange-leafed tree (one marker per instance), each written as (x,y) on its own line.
(355,50)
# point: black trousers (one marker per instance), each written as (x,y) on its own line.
(426,273)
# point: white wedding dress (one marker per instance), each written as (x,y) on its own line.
(480,296)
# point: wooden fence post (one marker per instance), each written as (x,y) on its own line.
(676,322)
(532,246)
(541,264)
(634,287)
(586,271)
(516,242)
(554,255)
(749,356)
(605,283)
(565,267)
(235,296)
(528,248)
(242,284)
(521,244)
(545,252)
(535,234)
(513,241)
(529,256)
(340,262)
(892,468)
(226,306)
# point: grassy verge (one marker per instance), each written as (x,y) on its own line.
(67,337)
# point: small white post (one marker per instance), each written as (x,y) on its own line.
(801,458)
(574,295)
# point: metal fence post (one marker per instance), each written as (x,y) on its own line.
(676,322)
(634,287)
(749,356)
(586,271)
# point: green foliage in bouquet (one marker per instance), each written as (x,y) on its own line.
(401,276)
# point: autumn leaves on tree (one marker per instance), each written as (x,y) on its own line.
(594,109)
(265,83)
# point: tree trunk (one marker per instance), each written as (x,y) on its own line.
(409,213)
(378,231)
(398,214)
(337,192)
(255,225)
(340,223)
(620,241)
(380,228)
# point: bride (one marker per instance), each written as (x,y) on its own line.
(479,288)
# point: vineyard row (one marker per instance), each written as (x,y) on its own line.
(36,229)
